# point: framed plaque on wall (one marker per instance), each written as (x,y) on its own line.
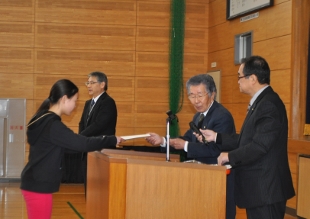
(237,8)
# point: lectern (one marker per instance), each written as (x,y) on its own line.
(141,185)
(303,195)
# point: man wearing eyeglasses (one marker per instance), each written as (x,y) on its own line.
(100,113)
(259,153)
(201,90)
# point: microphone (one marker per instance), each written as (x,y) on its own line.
(171,116)
(195,129)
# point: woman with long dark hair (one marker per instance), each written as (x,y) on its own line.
(49,138)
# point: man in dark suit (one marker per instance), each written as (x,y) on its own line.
(210,114)
(100,113)
(263,181)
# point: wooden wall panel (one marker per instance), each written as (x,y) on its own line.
(121,88)
(217,16)
(16,86)
(84,36)
(224,61)
(150,120)
(85,12)
(16,34)
(153,39)
(196,40)
(18,10)
(152,64)
(152,90)
(280,82)
(16,60)
(82,62)
(153,107)
(153,14)
(278,20)
(276,51)
(194,63)
(221,37)
(197,15)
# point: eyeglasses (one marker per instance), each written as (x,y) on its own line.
(198,96)
(244,76)
(91,82)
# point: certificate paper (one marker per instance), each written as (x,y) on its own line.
(128,137)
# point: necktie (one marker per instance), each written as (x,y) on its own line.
(92,103)
(200,120)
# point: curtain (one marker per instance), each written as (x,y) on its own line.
(176,61)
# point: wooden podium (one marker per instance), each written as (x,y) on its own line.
(303,195)
(141,185)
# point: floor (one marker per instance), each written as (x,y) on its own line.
(68,203)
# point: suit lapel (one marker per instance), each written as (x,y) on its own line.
(207,117)
(253,107)
(248,115)
(95,106)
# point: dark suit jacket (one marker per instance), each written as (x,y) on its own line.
(218,119)
(102,119)
(260,158)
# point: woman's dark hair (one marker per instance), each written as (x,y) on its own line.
(59,89)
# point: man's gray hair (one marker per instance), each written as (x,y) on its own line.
(206,80)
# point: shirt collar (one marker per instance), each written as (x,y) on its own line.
(205,112)
(257,94)
(96,98)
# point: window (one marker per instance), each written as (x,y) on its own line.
(243,46)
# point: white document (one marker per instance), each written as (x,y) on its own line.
(128,137)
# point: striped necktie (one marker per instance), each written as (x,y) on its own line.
(200,120)
(92,103)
